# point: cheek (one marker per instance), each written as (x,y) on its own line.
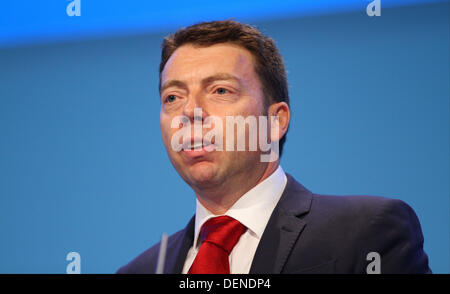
(166,130)
(252,106)
(245,107)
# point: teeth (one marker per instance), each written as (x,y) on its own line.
(196,145)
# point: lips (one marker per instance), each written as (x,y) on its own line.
(197,144)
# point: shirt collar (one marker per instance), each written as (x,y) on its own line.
(253,209)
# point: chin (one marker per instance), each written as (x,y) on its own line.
(202,173)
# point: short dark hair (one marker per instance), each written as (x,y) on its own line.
(269,64)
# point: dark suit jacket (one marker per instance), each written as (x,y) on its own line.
(311,233)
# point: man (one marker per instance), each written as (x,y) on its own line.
(252,217)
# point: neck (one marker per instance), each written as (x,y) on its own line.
(219,199)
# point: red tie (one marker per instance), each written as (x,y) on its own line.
(219,236)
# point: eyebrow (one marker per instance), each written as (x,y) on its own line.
(173,83)
(220,77)
(205,81)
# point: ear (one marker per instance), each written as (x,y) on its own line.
(279,114)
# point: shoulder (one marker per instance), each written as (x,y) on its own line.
(360,225)
(362,215)
(350,217)
(145,263)
(298,200)
(360,206)
(347,228)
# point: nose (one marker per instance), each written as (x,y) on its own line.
(194,108)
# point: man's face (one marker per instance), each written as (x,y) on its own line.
(221,80)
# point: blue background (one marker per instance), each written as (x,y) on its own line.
(82,165)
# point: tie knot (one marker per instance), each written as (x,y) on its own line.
(222,231)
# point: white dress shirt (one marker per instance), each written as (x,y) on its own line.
(253,210)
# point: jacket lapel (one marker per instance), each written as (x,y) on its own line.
(283,229)
(177,256)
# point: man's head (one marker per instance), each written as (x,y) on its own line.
(227,69)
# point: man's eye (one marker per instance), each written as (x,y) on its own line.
(221,91)
(171,98)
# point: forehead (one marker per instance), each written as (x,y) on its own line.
(193,63)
